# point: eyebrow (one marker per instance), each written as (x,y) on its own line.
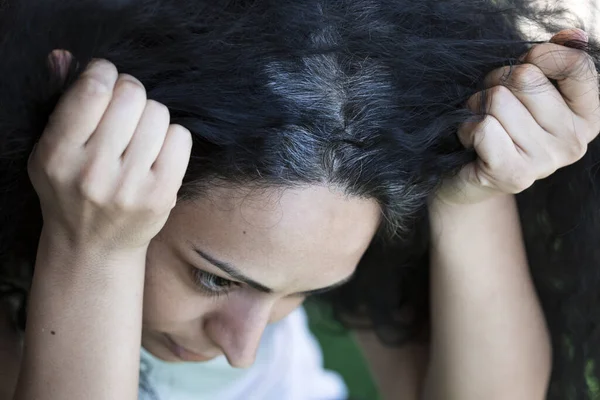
(237,275)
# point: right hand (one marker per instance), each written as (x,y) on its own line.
(108,166)
(529,134)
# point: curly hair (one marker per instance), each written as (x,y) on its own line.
(366,95)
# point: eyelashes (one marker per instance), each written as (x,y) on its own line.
(214,286)
(211,284)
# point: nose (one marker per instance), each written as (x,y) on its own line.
(238,328)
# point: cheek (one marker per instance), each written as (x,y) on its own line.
(162,303)
(169,300)
(284,307)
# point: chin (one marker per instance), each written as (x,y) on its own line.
(161,353)
(157,348)
(169,351)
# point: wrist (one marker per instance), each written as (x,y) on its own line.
(56,244)
(440,205)
(61,257)
(467,221)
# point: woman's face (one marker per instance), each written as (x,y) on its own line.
(228,264)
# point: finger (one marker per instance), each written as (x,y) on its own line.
(80,110)
(499,165)
(516,120)
(574,72)
(171,164)
(543,101)
(478,179)
(465,133)
(148,138)
(493,145)
(121,117)
(467,186)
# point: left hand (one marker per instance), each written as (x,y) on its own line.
(531,128)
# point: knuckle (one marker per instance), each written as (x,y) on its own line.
(479,133)
(538,51)
(129,86)
(126,201)
(158,109)
(182,132)
(98,78)
(525,73)
(496,163)
(474,101)
(91,184)
(58,177)
(520,181)
(499,94)
(181,138)
(102,67)
(179,129)
(53,165)
(576,147)
(91,191)
(500,91)
(130,81)
(56,174)
(489,123)
(551,164)
(92,86)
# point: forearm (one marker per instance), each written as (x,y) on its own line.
(84,325)
(489,338)
(399,372)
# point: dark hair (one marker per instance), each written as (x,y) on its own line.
(365,95)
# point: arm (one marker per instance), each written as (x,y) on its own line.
(84,326)
(399,372)
(489,338)
(101,207)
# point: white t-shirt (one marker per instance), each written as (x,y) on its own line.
(288,367)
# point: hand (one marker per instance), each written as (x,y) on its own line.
(534,129)
(109,164)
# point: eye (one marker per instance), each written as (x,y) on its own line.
(211,283)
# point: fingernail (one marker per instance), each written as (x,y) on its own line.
(60,61)
(571,37)
(584,37)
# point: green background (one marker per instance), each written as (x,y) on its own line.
(342,354)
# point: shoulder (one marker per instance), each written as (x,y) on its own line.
(10,353)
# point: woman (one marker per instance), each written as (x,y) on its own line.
(318,131)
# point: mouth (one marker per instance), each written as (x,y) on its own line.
(184,354)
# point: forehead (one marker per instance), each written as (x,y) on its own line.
(280,237)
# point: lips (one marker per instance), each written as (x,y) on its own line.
(184,354)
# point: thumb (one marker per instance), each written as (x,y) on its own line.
(465,187)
